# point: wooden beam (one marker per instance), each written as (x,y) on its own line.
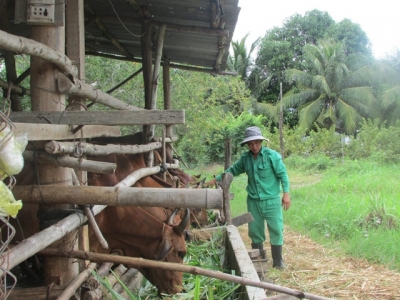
(42,132)
(124,81)
(123,196)
(175,66)
(23,45)
(136,117)
(80,89)
(15,88)
(70,162)
(55,147)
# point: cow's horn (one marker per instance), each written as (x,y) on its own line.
(183,224)
(172,216)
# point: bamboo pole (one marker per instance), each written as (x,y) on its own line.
(70,162)
(83,90)
(120,196)
(15,88)
(76,283)
(90,216)
(23,45)
(56,147)
(91,282)
(97,294)
(137,262)
(129,279)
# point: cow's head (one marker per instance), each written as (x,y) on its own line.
(137,233)
(172,248)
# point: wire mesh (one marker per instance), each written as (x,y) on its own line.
(7,231)
(8,280)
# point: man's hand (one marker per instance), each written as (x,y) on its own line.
(212,183)
(286,201)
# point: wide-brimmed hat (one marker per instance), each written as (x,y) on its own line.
(251,134)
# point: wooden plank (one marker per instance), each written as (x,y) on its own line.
(135,117)
(242,219)
(42,132)
(242,264)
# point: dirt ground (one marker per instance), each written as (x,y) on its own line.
(316,270)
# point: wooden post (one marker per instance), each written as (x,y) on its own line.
(167,105)
(75,50)
(45,97)
(164,152)
(281,140)
(228,151)
(145,42)
(156,72)
(225,185)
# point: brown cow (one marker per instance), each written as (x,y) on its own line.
(145,232)
(139,234)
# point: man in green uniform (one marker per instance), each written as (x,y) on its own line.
(266,174)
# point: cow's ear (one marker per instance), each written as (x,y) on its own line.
(162,250)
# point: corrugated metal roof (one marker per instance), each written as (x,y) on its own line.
(198,32)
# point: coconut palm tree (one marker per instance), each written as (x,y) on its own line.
(390,99)
(241,61)
(334,90)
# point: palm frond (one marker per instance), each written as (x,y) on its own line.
(320,83)
(391,97)
(310,113)
(386,73)
(294,99)
(301,78)
(360,98)
(267,109)
(348,115)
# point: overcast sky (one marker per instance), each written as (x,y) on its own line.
(379,19)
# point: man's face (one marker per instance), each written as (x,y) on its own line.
(254,146)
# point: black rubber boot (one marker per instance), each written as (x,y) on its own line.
(276,252)
(260,247)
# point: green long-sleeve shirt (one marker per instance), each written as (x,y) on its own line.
(265,174)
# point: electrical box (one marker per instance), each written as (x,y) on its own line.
(40,12)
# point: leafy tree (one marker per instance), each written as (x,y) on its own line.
(355,39)
(282,48)
(241,61)
(335,91)
(208,102)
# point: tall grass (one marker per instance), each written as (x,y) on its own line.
(353,204)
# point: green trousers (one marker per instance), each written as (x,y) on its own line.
(269,211)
